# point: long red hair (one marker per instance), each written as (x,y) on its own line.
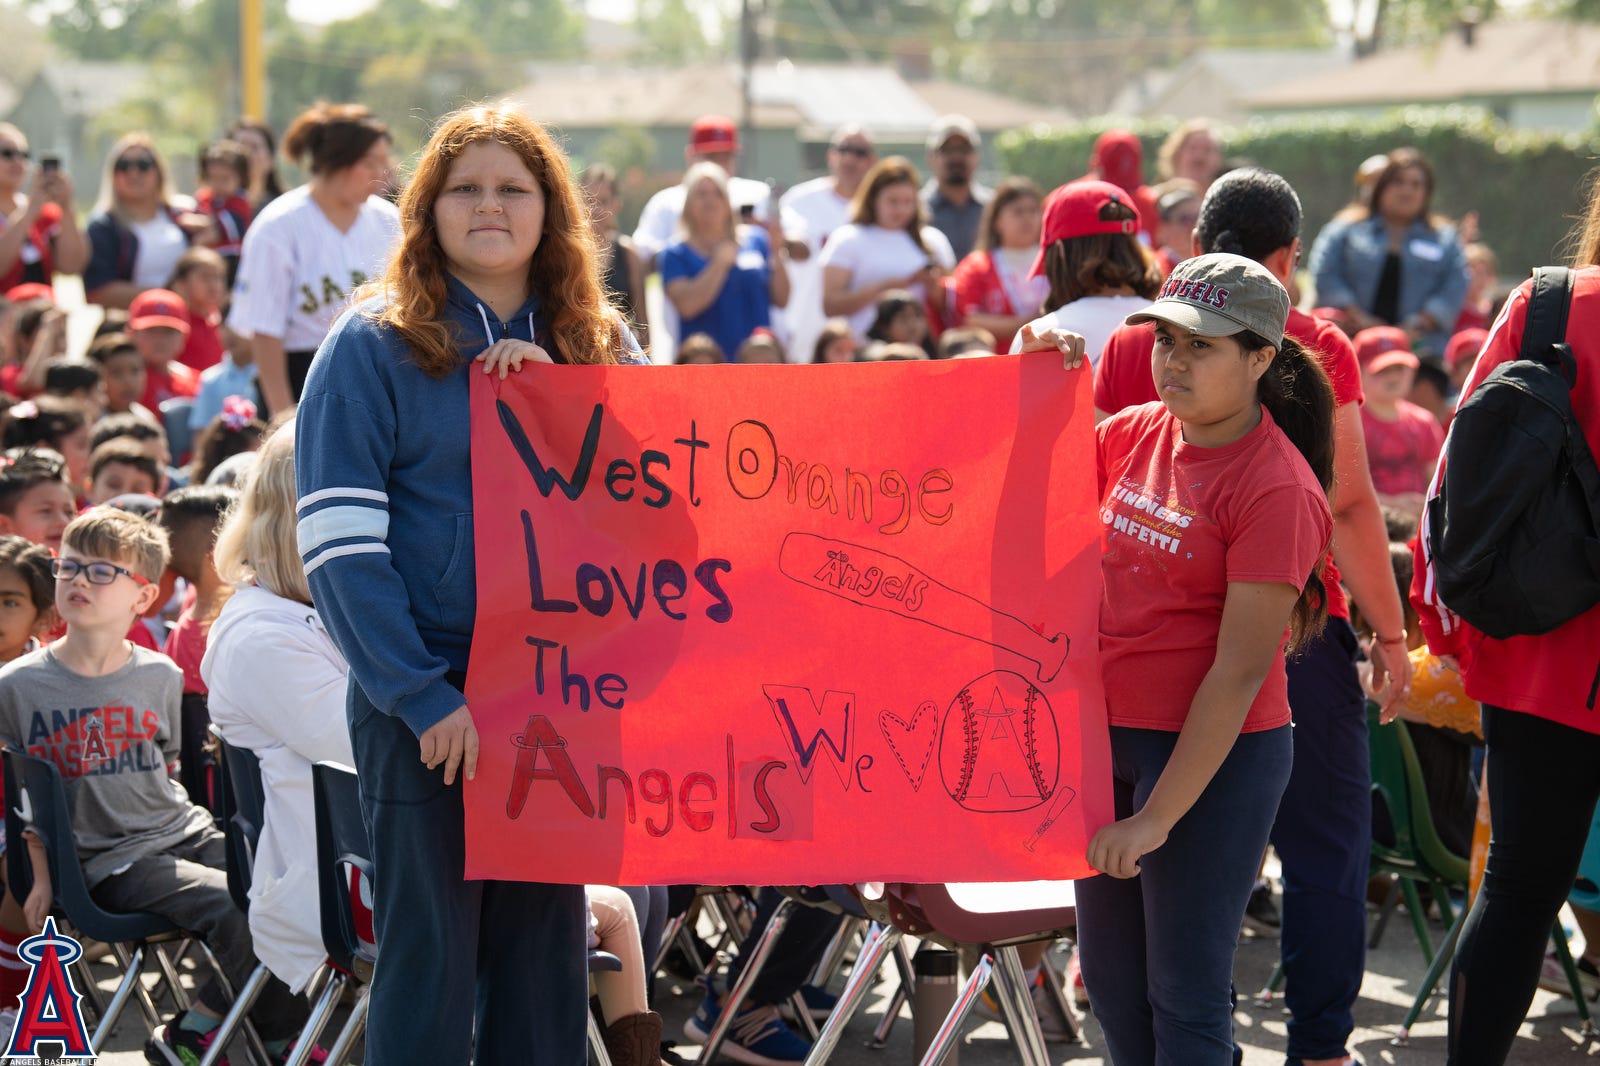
(564,273)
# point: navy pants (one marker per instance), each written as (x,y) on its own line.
(499,963)
(1158,948)
(795,955)
(1323,837)
(1544,778)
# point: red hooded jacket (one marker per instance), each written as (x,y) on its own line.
(1557,675)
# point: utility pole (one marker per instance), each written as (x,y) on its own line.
(747,60)
(252,66)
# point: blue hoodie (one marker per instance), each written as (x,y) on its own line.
(384,475)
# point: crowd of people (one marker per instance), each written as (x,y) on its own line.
(247,504)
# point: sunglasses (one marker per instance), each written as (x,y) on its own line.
(859,151)
(97,573)
(142,165)
(11,155)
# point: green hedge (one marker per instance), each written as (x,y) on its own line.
(1526,187)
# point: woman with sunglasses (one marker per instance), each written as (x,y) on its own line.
(138,231)
(39,233)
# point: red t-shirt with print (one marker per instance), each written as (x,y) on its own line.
(1123,379)
(1181,522)
(175,380)
(203,349)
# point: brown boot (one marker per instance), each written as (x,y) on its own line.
(634,1040)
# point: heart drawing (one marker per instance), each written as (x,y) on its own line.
(912,742)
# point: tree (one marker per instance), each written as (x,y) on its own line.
(671,32)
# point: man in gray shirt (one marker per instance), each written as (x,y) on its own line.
(952,198)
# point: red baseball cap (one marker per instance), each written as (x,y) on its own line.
(155,308)
(1464,346)
(30,290)
(1381,347)
(1079,209)
(1119,157)
(713,133)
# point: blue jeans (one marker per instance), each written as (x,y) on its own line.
(499,963)
(1158,949)
(1323,837)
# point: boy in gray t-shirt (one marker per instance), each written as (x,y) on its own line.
(106,712)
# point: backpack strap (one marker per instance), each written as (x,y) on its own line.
(1544,334)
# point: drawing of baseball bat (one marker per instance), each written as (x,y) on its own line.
(871,578)
(1064,796)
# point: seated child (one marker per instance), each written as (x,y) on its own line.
(235,430)
(191,516)
(143,845)
(968,340)
(201,279)
(148,432)
(632,1031)
(36,502)
(122,370)
(79,381)
(878,352)
(158,322)
(53,423)
(760,347)
(900,318)
(835,344)
(235,375)
(27,614)
(123,466)
(698,349)
(40,339)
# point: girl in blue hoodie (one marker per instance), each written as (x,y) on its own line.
(495,264)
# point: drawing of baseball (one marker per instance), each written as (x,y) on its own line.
(999,747)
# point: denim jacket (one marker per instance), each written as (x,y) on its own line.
(1347,261)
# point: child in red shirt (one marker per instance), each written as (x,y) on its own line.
(158,324)
(224,175)
(1403,440)
(191,516)
(201,278)
(1217,521)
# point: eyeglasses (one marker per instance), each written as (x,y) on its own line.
(11,155)
(142,165)
(97,573)
(860,151)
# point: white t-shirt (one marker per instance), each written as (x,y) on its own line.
(824,212)
(873,254)
(161,244)
(297,270)
(1095,318)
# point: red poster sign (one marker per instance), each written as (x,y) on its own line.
(786,625)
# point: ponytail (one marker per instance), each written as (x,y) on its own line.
(1296,391)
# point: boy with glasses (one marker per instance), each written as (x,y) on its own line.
(105,712)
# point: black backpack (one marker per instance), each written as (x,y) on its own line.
(1514,531)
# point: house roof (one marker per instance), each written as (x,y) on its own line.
(1233,72)
(87,87)
(811,98)
(1506,58)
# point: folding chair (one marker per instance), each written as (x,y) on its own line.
(36,800)
(342,863)
(242,801)
(999,916)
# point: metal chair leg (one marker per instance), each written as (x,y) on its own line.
(1430,980)
(236,1014)
(1385,912)
(597,1043)
(1419,917)
(169,973)
(132,967)
(1016,1002)
(877,946)
(255,1050)
(908,981)
(828,965)
(1054,981)
(802,1016)
(747,978)
(669,936)
(354,1026)
(132,959)
(317,1022)
(950,1028)
(1570,968)
(86,983)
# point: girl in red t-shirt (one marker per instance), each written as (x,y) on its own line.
(1217,522)
(992,286)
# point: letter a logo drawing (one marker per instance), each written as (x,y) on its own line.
(49,1012)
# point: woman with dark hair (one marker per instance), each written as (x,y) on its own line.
(1217,520)
(1539,702)
(885,246)
(260,145)
(1089,253)
(138,231)
(39,231)
(993,289)
(1393,262)
(496,263)
(314,245)
(1324,825)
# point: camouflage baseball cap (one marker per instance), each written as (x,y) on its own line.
(1218,295)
